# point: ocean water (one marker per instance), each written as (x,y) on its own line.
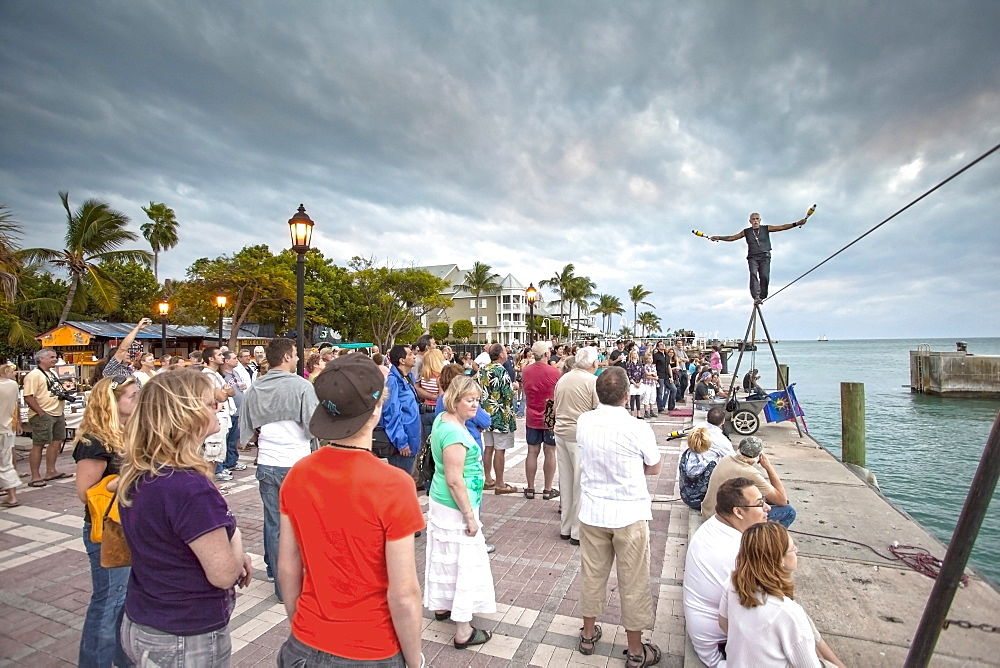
(923,449)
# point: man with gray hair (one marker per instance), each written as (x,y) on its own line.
(574,395)
(43,393)
(742,465)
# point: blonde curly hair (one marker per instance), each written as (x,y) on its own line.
(100,420)
(168,428)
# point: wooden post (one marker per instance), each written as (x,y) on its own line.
(782,376)
(852,423)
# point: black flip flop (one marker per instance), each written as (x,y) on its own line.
(57,477)
(37,483)
(442,616)
(478,637)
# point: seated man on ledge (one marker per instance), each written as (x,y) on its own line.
(742,465)
(751,387)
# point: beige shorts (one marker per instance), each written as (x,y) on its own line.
(498,441)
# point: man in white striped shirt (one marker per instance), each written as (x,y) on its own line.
(616,453)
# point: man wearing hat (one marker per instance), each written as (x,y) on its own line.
(742,465)
(352,518)
(539,380)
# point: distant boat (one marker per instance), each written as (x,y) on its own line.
(822,337)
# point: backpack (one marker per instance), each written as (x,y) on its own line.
(693,487)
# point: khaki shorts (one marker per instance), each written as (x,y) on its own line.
(47,428)
(498,441)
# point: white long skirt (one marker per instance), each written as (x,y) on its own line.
(457,574)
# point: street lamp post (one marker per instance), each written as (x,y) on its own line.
(301,227)
(220,301)
(164,307)
(548,328)
(531,294)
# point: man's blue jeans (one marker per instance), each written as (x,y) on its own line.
(783,515)
(666,392)
(270,479)
(99,641)
(401,462)
(232,445)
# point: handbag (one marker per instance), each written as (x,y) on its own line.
(99,497)
(114,548)
(382,447)
(423,467)
(549,416)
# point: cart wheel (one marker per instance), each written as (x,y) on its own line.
(745,422)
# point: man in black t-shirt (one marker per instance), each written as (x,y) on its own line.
(759,252)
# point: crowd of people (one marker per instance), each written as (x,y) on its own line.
(160,440)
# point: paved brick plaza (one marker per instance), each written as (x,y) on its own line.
(45,577)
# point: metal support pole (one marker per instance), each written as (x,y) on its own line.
(300,316)
(531,323)
(732,383)
(783,386)
(852,423)
(163,335)
(959,549)
(220,326)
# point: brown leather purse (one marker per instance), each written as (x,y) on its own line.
(114,549)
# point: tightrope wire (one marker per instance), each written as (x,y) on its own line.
(956,174)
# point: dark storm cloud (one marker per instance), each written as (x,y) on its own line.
(602,132)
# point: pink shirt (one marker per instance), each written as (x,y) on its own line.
(539,382)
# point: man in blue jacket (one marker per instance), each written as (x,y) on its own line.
(401,411)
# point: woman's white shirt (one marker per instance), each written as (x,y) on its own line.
(776,634)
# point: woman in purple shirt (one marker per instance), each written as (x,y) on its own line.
(187,554)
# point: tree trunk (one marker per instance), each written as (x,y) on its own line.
(73,283)
(156,266)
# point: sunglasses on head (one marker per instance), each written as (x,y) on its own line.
(119,381)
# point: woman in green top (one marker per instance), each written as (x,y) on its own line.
(458,581)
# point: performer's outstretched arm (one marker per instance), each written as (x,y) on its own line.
(731,237)
(787,226)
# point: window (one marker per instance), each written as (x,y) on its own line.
(482,320)
(472,303)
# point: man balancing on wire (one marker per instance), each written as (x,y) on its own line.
(759,251)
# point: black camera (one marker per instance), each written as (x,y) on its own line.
(60,392)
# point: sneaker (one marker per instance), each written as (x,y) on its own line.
(225,476)
(490,548)
(270,578)
(239,467)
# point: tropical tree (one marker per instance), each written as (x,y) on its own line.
(160,231)
(462,329)
(440,330)
(139,291)
(10,263)
(94,232)
(25,304)
(650,322)
(607,306)
(560,282)
(637,294)
(255,281)
(478,280)
(578,294)
(394,300)
(624,332)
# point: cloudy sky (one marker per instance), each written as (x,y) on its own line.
(530,135)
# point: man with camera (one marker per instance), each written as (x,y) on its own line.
(45,397)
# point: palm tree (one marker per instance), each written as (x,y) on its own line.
(94,232)
(160,232)
(10,233)
(650,322)
(636,295)
(478,280)
(624,332)
(560,282)
(607,306)
(579,291)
